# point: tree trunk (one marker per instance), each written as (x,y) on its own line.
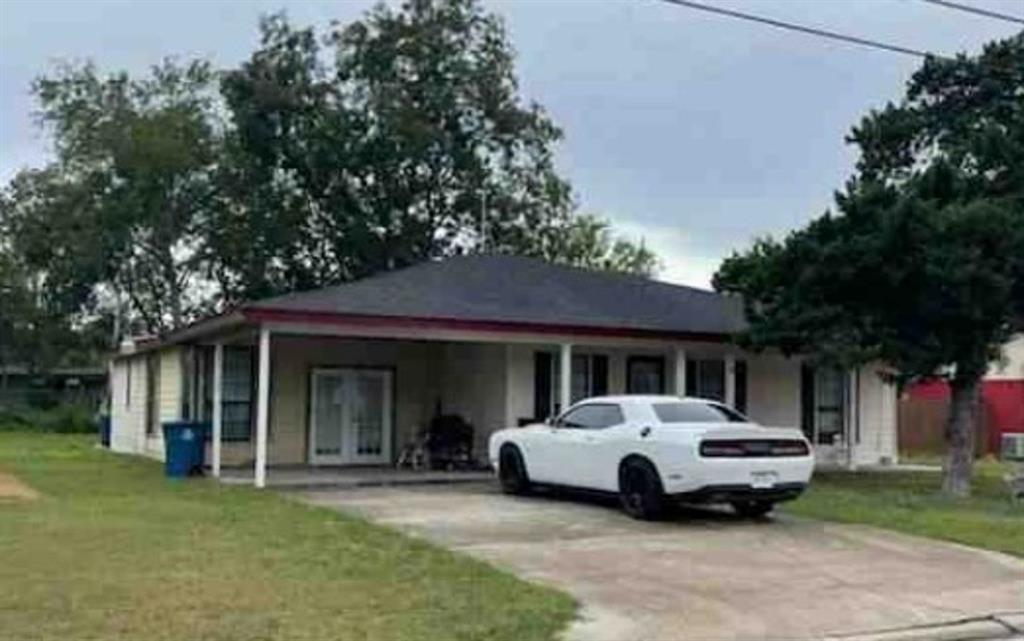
(170,275)
(960,429)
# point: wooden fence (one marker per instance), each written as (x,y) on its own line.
(922,425)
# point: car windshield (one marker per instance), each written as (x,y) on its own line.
(695,412)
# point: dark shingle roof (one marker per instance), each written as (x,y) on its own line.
(510,289)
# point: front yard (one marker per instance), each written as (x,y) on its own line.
(103,547)
(99,546)
(910,502)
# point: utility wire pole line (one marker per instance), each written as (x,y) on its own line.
(813,31)
(979,11)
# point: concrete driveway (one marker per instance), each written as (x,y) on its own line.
(706,574)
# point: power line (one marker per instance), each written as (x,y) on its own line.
(977,10)
(865,42)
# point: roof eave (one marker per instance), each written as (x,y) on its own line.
(258,314)
(189,333)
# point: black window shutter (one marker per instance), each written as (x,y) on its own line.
(541,385)
(741,385)
(807,400)
(600,375)
(691,378)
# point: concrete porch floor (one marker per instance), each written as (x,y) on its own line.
(306,477)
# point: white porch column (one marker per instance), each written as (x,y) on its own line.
(680,370)
(730,380)
(852,419)
(262,407)
(565,374)
(218,414)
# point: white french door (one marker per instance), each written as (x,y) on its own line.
(350,418)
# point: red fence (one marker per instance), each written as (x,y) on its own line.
(925,406)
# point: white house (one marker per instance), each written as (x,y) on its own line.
(348,375)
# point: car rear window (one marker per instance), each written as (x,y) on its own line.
(696,413)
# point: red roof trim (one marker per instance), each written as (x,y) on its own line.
(258,314)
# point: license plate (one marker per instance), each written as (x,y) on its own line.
(763,479)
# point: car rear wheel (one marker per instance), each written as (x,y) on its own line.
(752,509)
(512,471)
(640,490)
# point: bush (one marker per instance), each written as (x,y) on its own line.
(42,398)
(62,419)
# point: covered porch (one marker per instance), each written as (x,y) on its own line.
(283,398)
(338,403)
(351,375)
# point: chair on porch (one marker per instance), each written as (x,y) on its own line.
(445,444)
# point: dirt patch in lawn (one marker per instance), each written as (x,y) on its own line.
(12,488)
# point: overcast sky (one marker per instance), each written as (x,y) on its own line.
(695,131)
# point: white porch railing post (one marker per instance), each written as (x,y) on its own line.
(852,417)
(218,410)
(730,380)
(680,370)
(565,372)
(262,407)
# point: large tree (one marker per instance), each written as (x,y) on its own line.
(922,265)
(397,138)
(393,139)
(41,324)
(120,212)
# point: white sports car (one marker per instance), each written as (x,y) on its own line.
(651,450)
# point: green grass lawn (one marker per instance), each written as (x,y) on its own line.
(911,502)
(112,550)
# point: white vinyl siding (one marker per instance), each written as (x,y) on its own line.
(877,441)
(130,396)
(773,390)
(128,404)
(1011,365)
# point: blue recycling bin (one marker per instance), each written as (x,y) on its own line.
(184,448)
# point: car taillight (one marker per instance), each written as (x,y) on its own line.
(796,448)
(721,449)
(753,448)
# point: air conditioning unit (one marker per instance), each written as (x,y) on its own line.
(1012,447)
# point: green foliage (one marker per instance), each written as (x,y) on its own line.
(53,418)
(324,157)
(922,266)
(911,279)
(41,325)
(407,142)
(119,213)
(589,242)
